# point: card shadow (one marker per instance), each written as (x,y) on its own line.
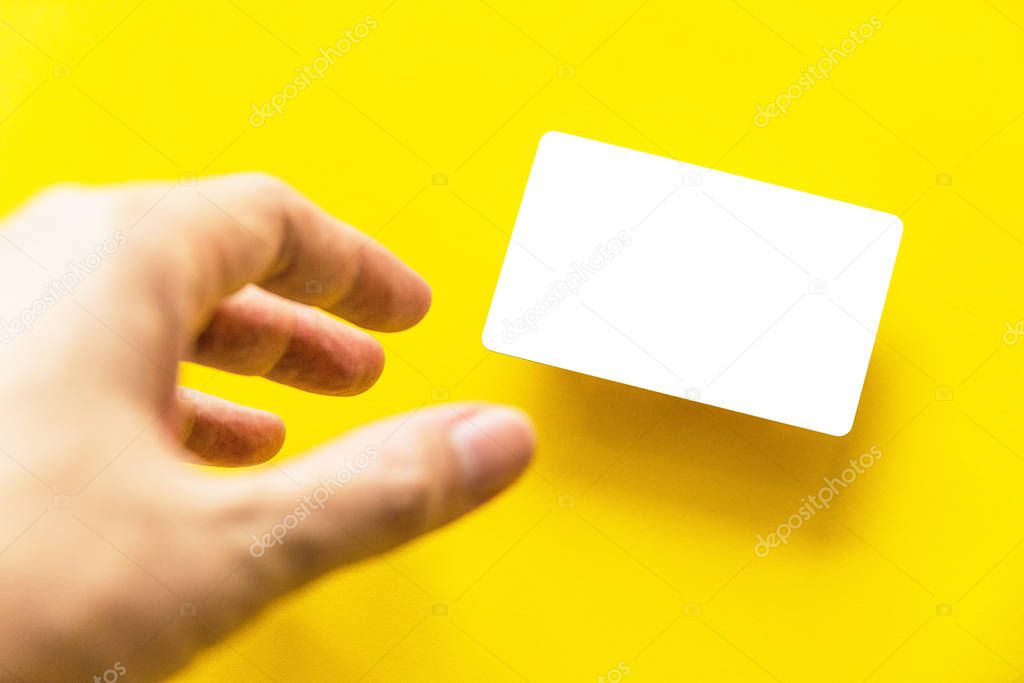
(705,462)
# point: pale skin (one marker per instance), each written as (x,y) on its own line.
(118,552)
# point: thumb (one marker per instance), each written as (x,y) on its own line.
(383,485)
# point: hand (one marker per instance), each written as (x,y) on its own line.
(113,553)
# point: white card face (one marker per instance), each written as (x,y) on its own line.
(695,283)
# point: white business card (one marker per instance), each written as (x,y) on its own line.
(695,283)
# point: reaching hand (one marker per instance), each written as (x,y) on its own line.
(113,553)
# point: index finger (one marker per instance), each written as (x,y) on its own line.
(226,232)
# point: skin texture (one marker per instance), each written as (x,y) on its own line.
(114,554)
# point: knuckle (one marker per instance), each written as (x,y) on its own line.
(258,195)
(354,374)
(261,184)
(406,499)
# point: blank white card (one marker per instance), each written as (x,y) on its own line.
(695,283)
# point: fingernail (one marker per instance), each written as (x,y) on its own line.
(493,446)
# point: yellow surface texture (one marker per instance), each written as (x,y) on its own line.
(627,553)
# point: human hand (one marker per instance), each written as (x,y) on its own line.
(114,555)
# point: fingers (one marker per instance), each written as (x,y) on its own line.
(218,432)
(180,250)
(257,333)
(211,239)
(384,485)
(256,228)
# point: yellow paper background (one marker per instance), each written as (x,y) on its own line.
(629,545)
